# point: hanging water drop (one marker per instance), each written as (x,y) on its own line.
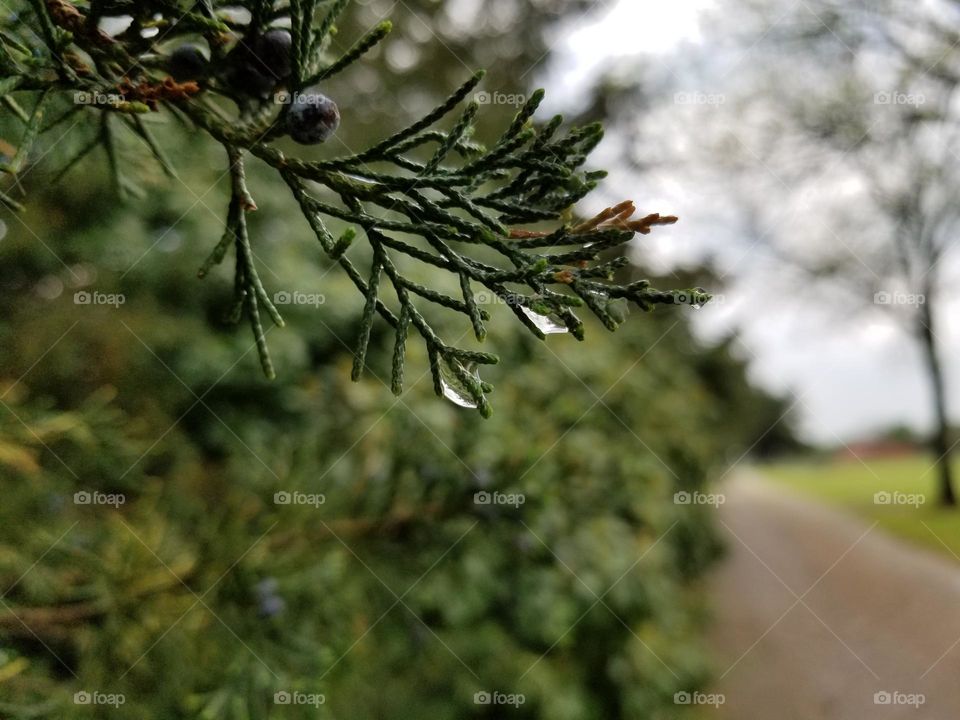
(547,324)
(456,396)
(618,309)
(454,389)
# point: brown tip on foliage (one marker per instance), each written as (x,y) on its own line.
(618,218)
(612,218)
(153,92)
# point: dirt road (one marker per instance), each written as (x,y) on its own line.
(817,611)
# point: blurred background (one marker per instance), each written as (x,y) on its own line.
(741,511)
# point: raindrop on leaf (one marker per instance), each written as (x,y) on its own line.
(547,324)
(619,310)
(454,389)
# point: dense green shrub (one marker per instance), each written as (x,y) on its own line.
(134,400)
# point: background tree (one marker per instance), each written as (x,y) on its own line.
(834,134)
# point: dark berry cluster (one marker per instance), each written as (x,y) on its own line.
(257,67)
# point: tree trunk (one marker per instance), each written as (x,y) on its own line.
(941,434)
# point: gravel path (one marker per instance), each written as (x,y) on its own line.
(817,611)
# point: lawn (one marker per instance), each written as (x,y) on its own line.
(907,506)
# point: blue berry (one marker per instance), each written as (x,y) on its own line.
(272,51)
(271,606)
(258,64)
(313,118)
(187,62)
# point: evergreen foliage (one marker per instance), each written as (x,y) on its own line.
(434,196)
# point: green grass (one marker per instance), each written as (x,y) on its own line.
(852,485)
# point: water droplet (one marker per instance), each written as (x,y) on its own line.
(619,310)
(454,389)
(547,324)
(456,396)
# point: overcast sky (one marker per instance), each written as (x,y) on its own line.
(853,373)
